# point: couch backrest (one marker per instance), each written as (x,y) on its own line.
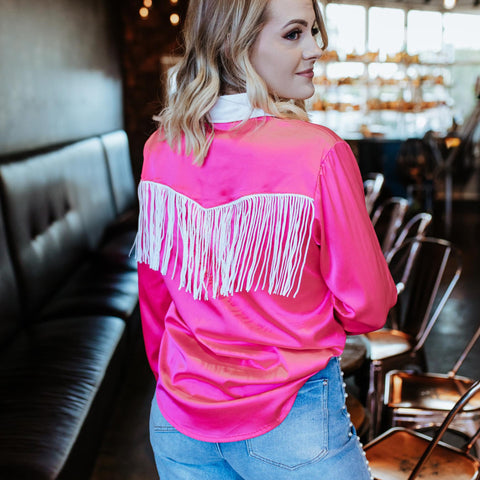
(57,206)
(9,297)
(120,168)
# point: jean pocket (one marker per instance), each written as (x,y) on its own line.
(302,438)
(158,423)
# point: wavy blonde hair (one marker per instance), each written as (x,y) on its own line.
(218,37)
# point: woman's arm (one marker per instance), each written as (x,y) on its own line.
(351,260)
(154,301)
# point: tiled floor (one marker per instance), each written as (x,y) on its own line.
(126,455)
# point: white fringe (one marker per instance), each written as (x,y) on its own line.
(262,237)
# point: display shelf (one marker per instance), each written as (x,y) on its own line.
(399,94)
(390,125)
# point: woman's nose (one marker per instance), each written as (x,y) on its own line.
(312,50)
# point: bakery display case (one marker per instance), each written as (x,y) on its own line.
(395,72)
(398,95)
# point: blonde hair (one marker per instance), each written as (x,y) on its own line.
(218,37)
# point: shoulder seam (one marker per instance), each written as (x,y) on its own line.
(324,159)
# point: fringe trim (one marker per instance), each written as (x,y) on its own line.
(262,237)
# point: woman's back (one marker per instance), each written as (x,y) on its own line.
(252,299)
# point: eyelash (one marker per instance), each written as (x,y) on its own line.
(297,32)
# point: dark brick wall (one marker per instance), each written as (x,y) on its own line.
(145,41)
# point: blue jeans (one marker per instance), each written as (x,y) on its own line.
(315,441)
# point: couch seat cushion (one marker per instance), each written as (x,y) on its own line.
(96,288)
(49,376)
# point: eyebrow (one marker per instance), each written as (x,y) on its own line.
(296,20)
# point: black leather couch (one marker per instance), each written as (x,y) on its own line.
(69,303)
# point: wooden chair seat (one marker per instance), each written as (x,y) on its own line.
(393,456)
(428,391)
(387,343)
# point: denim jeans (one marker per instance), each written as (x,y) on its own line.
(315,441)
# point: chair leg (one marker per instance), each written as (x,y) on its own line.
(361,379)
(375,398)
(421,360)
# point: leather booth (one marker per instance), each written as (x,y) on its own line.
(69,303)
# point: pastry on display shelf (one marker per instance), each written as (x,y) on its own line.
(329,56)
(374,104)
(323,80)
(323,105)
(364,57)
(402,57)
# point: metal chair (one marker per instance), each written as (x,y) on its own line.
(417,401)
(415,227)
(425,271)
(372,188)
(402,454)
(387,220)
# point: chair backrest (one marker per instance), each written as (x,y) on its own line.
(372,187)
(415,227)
(425,270)
(464,354)
(57,205)
(387,220)
(471,392)
(117,155)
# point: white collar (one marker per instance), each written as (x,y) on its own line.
(233,108)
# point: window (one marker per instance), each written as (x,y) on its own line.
(386,32)
(462,30)
(462,41)
(424,33)
(346,28)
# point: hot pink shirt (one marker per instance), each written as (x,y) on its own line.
(252,269)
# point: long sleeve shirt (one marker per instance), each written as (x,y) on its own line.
(253,268)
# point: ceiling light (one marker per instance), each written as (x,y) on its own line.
(174,19)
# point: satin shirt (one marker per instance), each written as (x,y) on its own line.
(252,268)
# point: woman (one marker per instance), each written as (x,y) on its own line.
(256,256)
